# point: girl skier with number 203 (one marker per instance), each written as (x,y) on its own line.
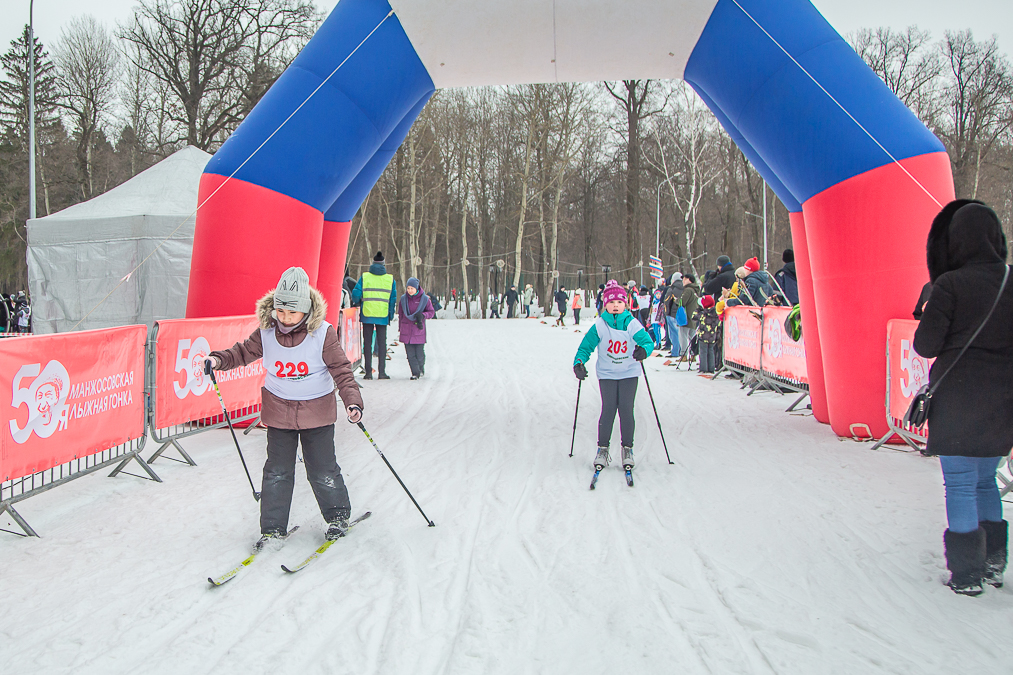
(621,342)
(304,363)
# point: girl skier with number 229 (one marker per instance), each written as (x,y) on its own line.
(621,342)
(304,363)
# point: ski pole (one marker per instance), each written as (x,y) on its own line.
(575,409)
(644,371)
(428,522)
(214,382)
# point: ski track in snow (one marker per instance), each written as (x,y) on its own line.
(768,547)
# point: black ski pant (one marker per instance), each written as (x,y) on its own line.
(416,358)
(617,396)
(322,471)
(381,347)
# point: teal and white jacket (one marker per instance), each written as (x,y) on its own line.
(615,336)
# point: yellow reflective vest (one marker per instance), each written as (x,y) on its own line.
(376,292)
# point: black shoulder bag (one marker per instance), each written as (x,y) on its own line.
(918,413)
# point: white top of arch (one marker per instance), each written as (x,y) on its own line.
(466,43)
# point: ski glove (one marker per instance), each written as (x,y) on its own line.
(580,371)
(639,354)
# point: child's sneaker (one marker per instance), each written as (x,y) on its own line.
(628,457)
(602,459)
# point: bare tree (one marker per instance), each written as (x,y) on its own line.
(908,64)
(87,74)
(215,58)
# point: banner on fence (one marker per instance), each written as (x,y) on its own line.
(742,336)
(782,356)
(182,391)
(69,395)
(908,371)
(351,334)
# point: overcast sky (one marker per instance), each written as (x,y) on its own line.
(984,17)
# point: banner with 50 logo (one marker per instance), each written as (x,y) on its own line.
(183,391)
(68,396)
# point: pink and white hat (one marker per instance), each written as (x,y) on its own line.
(613,291)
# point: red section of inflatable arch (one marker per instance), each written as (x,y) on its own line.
(866,242)
(333,254)
(810,325)
(245,237)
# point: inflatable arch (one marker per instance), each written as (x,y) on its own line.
(859,173)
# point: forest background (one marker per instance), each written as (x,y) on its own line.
(494,185)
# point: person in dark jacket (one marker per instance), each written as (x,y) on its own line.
(923,298)
(511,297)
(413,309)
(305,364)
(971,416)
(708,333)
(787,280)
(375,294)
(724,278)
(690,299)
(561,299)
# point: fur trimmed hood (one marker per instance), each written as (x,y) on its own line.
(316,317)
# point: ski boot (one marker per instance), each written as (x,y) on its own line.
(270,540)
(602,459)
(336,528)
(628,462)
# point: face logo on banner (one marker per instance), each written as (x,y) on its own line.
(774,348)
(45,398)
(733,332)
(190,358)
(915,367)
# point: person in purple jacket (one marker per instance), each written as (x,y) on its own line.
(413,309)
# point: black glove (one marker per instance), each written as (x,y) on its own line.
(207,366)
(639,353)
(580,371)
(419,324)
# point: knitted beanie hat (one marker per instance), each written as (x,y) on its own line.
(293,291)
(788,256)
(707,301)
(753,265)
(378,257)
(413,283)
(613,291)
(723,260)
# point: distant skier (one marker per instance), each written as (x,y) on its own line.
(304,362)
(561,299)
(621,342)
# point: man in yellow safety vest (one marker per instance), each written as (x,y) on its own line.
(376,295)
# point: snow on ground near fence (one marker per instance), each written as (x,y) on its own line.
(769,547)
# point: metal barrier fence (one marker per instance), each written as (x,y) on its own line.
(170,436)
(14,491)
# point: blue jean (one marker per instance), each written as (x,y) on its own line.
(971,493)
(672,329)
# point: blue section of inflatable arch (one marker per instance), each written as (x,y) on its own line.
(775,184)
(322,148)
(343,210)
(801,134)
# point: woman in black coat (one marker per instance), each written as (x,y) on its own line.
(971,417)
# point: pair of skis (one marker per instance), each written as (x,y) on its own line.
(597,470)
(234,572)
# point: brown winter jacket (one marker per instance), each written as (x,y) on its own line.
(281,413)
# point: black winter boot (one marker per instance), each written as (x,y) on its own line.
(996,537)
(965,558)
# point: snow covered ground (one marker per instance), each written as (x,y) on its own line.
(770,546)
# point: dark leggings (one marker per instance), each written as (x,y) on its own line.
(381,347)
(322,470)
(617,396)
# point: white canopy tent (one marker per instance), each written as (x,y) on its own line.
(78,255)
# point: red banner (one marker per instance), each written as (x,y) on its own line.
(182,391)
(908,372)
(742,336)
(351,334)
(782,356)
(69,395)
